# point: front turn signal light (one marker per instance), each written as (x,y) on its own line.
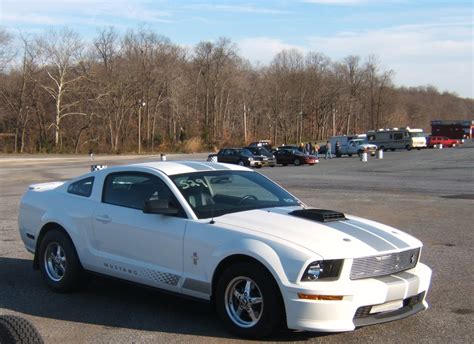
(320,297)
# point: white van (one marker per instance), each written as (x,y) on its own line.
(351,144)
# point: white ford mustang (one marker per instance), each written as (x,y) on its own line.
(227,234)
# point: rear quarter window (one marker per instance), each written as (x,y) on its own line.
(82,187)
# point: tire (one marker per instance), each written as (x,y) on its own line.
(392,149)
(359,153)
(285,164)
(241,163)
(349,155)
(59,265)
(259,283)
(297,162)
(16,330)
(408,148)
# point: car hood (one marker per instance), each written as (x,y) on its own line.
(351,238)
(367,145)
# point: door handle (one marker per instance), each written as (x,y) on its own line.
(103,218)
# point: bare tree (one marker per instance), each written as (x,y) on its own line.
(60,53)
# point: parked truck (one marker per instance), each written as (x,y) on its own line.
(350,144)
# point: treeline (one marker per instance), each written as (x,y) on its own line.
(140,92)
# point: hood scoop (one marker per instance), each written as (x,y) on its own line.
(319,215)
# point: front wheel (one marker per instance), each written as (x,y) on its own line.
(297,162)
(248,301)
(59,264)
(241,163)
(15,329)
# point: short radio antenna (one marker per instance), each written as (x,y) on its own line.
(212,214)
(212,211)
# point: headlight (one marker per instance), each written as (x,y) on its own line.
(250,159)
(322,269)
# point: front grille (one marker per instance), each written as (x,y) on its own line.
(414,300)
(364,311)
(384,265)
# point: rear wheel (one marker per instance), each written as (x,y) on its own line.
(59,264)
(248,301)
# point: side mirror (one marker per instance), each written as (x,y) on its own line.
(160,206)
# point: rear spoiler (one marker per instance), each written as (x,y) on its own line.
(44,186)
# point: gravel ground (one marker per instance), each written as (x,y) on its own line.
(428,193)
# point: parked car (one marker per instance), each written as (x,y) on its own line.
(293,156)
(238,156)
(226,234)
(267,144)
(445,141)
(286,147)
(262,154)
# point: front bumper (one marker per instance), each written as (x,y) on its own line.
(406,290)
(269,162)
(255,163)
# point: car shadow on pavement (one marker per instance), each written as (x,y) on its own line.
(113,304)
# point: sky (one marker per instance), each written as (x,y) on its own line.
(425,42)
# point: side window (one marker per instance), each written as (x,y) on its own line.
(398,136)
(133,189)
(246,152)
(82,187)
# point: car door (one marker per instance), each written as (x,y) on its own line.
(284,156)
(146,248)
(226,156)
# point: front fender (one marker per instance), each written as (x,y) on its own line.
(283,261)
(253,248)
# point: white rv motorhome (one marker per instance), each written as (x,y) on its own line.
(395,138)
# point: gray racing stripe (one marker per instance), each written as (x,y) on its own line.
(366,237)
(381,233)
(197,166)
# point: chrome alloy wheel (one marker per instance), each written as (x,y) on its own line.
(243,302)
(55,261)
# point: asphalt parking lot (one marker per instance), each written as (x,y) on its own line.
(428,193)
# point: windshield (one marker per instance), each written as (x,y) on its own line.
(260,151)
(417,134)
(216,193)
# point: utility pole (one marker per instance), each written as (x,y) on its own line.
(141,104)
(245,124)
(333,122)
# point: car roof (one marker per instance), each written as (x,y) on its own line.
(178,167)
